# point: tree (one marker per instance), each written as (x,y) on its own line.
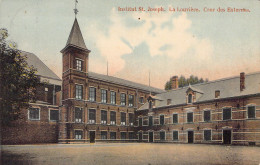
(182,81)
(18,81)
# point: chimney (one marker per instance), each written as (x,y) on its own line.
(242,81)
(174,82)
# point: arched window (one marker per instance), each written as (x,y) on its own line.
(190,98)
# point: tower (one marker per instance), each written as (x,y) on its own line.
(74,79)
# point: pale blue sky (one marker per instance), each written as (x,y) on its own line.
(211,45)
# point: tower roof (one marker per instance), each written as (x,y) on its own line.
(75,38)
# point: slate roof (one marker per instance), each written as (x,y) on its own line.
(75,38)
(43,71)
(123,82)
(228,87)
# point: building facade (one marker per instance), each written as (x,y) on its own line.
(88,107)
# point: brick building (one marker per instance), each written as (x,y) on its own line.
(90,107)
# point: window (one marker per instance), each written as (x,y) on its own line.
(207,115)
(190,98)
(226,113)
(140,121)
(190,117)
(103,117)
(162,135)
(169,101)
(251,112)
(112,118)
(78,64)
(131,135)
(162,119)
(217,94)
(175,135)
(131,119)
(141,99)
(79,91)
(123,99)
(123,135)
(78,115)
(34,113)
(54,115)
(207,135)
(112,135)
(123,118)
(92,94)
(130,100)
(150,120)
(78,134)
(175,118)
(113,97)
(103,135)
(92,116)
(103,96)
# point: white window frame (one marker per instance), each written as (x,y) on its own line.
(50,114)
(82,92)
(81,120)
(139,122)
(122,123)
(192,117)
(102,101)
(75,134)
(223,113)
(122,93)
(111,97)
(81,64)
(250,105)
(39,114)
(132,100)
(95,94)
(207,129)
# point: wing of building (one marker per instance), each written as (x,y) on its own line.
(89,107)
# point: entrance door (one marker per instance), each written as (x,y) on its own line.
(150,137)
(92,136)
(227,136)
(190,136)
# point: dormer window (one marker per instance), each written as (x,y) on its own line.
(79,64)
(217,94)
(190,98)
(169,101)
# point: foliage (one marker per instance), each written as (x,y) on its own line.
(18,81)
(182,81)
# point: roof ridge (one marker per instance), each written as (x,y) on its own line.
(128,81)
(213,81)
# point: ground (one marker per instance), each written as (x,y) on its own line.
(129,153)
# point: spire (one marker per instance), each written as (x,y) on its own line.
(75,38)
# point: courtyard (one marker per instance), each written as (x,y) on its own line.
(129,153)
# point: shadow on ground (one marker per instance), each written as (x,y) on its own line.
(12,158)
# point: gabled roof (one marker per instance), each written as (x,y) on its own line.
(123,82)
(43,71)
(75,38)
(228,87)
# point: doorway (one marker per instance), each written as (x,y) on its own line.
(92,135)
(190,136)
(227,136)
(150,137)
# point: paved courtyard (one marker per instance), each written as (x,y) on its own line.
(129,153)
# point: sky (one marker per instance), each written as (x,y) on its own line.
(207,44)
